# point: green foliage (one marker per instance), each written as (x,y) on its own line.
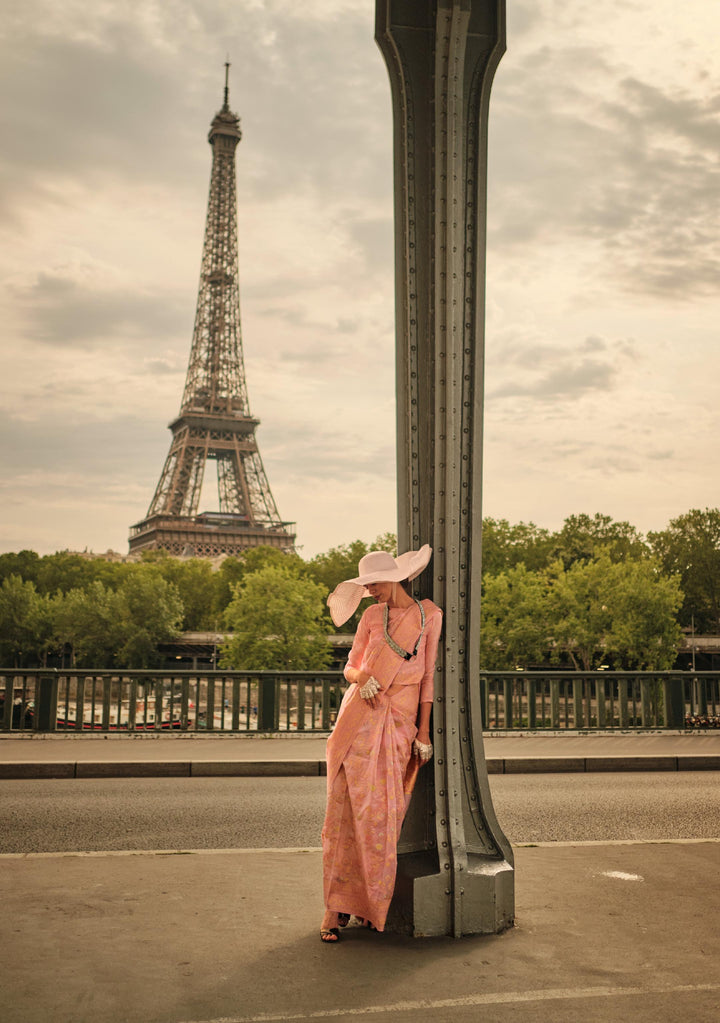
(625,611)
(515,630)
(118,628)
(592,611)
(278,621)
(24,564)
(233,570)
(690,546)
(24,622)
(195,584)
(504,546)
(86,621)
(150,611)
(582,537)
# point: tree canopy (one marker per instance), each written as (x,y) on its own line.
(278,621)
(594,591)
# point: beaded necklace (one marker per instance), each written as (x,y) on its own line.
(405,654)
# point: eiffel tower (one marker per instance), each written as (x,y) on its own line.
(214,421)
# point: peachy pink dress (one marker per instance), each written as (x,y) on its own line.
(370,767)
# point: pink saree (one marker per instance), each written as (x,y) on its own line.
(370,769)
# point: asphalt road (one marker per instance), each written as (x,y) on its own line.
(227,813)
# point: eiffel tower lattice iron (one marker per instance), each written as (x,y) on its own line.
(214,421)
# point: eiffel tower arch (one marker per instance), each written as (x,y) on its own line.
(214,422)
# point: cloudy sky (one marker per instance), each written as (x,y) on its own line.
(603,258)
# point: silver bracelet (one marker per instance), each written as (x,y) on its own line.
(423,750)
(370,689)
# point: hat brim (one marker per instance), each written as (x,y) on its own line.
(343,602)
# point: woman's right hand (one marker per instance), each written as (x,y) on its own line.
(361,678)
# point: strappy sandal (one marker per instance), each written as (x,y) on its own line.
(329,935)
(343,919)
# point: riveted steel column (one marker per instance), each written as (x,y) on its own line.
(455,869)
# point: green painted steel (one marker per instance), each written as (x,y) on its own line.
(236,702)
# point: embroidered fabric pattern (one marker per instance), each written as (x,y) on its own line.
(405,654)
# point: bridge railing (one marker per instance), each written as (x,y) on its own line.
(599,700)
(86,702)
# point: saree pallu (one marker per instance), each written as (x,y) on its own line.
(367,797)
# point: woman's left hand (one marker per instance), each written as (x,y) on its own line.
(422,749)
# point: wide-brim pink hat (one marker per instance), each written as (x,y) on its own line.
(375,567)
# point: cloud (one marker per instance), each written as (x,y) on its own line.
(61,310)
(548,373)
(600,157)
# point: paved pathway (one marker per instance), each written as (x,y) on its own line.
(601,936)
(207,755)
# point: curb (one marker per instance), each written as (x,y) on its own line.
(317,768)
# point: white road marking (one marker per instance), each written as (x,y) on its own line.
(620,875)
(469,1001)
(318,849)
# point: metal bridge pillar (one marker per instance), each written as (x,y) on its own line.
(455,866)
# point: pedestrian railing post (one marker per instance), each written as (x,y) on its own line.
(236,704)
(555,702)
(577,687)
(531,701)
(158,704)
(301,706)
(507,703)
(267,704)
(132,703)
(623,714)
(674,702)
(646,702)
(46,700)
(600,701)
(8,684)
(484,701)
(210,704)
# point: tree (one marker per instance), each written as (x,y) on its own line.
(515,630)
(194,582)
(24,564)
(645,633)
(603,608)
(278,621)
(234,569)
(504,546)
(65,571)
(150,612)
(582,536)
(87,622)
(23,622)
(690,546)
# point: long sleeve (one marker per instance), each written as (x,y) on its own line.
(360,643)
(427,682)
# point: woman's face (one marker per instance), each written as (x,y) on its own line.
(382,592)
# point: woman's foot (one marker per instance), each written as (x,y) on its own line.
(343,919)
(329,933)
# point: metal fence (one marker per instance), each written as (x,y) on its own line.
(151,701)
(56,700)
(599,700)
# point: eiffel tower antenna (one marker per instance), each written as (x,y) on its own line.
(214,422)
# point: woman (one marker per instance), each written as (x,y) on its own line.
(381,737)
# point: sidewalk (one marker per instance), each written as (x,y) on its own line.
(188,755)
(604,933)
